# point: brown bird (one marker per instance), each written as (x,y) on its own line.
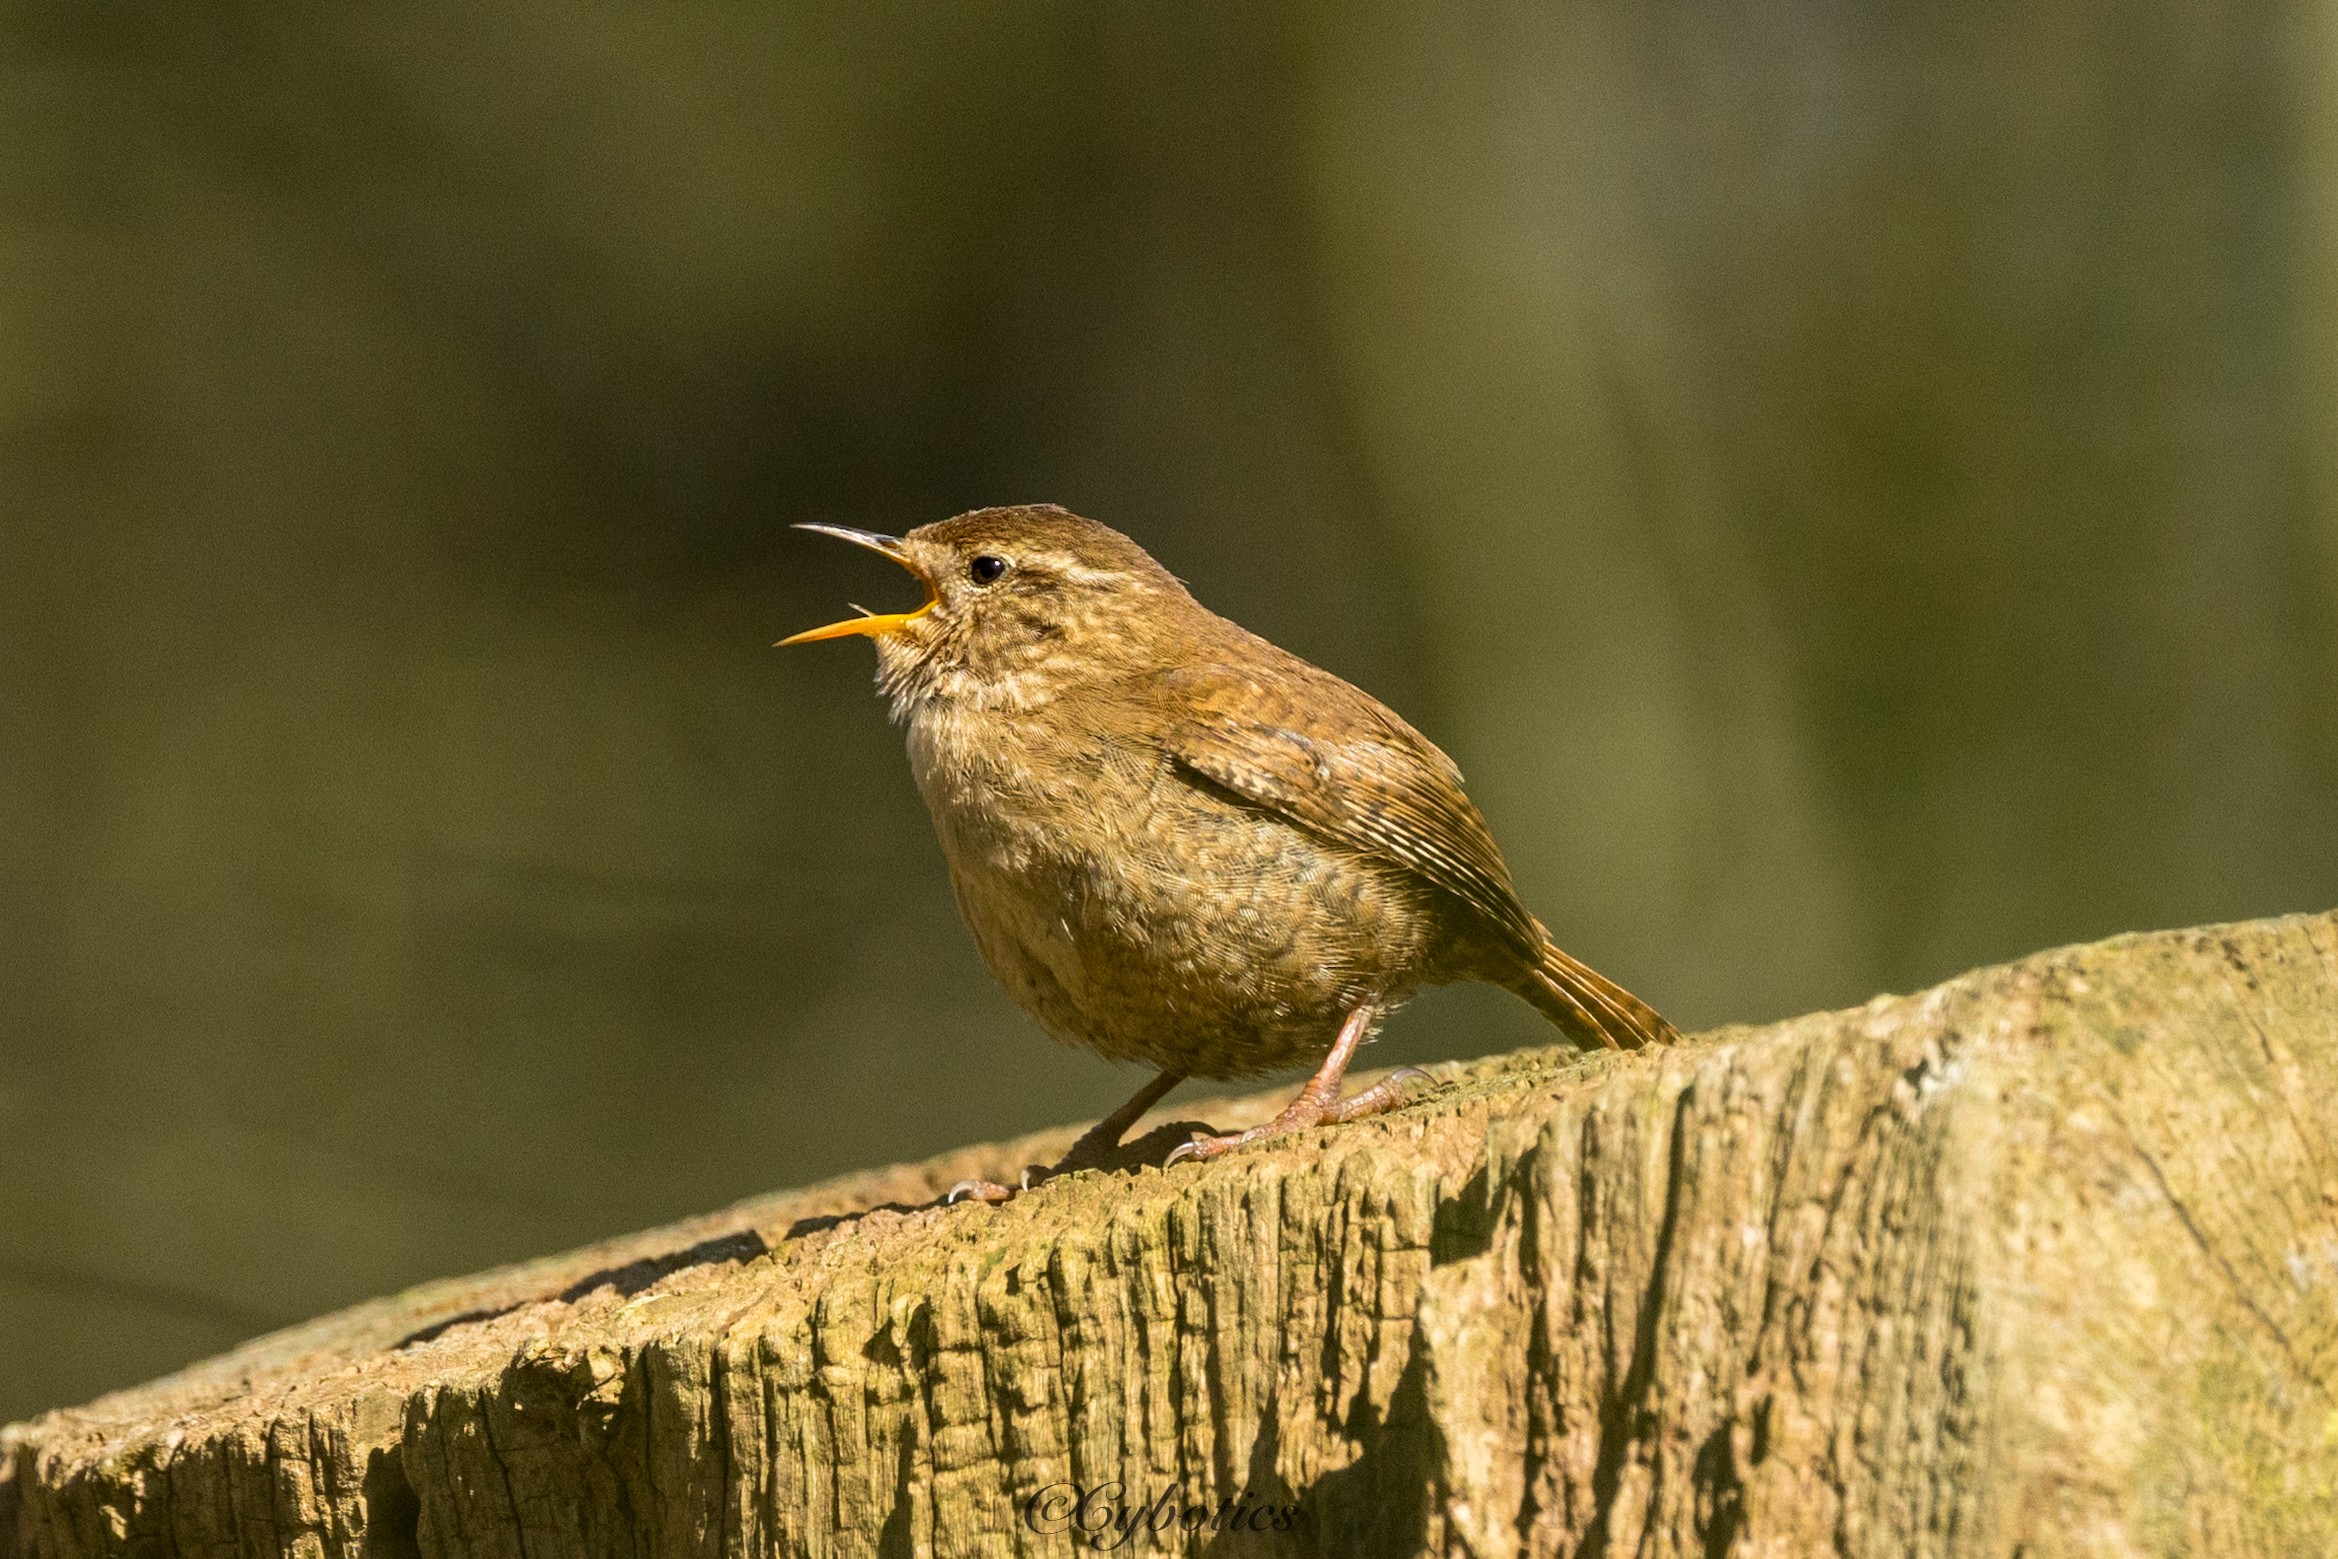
(1178,844)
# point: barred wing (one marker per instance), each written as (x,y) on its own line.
(1338,763)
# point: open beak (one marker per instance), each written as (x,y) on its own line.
(870,623)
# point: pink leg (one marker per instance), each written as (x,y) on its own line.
(1091,1148)
(1319,1102)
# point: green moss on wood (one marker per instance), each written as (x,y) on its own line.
(2041,1259)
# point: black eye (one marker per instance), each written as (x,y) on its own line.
(986,568)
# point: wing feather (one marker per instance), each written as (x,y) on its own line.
(1338,763)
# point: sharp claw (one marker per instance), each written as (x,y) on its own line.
(979,1190)
(1206,1148)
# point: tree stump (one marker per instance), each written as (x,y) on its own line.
(2041,1261)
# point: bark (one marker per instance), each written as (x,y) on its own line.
(2041,1261)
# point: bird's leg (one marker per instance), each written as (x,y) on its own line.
(1100,1139)
(1094,1146)
(1319,1102)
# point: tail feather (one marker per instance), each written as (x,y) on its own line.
(1588,1007)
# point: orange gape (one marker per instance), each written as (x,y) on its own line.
(1177,844)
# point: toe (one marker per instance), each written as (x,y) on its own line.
(1385,1094)
(981,1191)
(1200,1149)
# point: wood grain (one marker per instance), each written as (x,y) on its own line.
(2041,1261)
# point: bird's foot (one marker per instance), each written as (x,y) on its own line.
(991,1191)
(1306,1111)
(1099,1147)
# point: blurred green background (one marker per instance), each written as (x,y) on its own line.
(1853,485)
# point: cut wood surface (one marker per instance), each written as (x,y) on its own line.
(2042,1261)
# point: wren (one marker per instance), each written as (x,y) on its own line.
(1178,844)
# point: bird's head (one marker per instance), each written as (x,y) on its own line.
(1019,602)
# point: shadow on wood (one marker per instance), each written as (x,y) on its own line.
(2041,1260)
